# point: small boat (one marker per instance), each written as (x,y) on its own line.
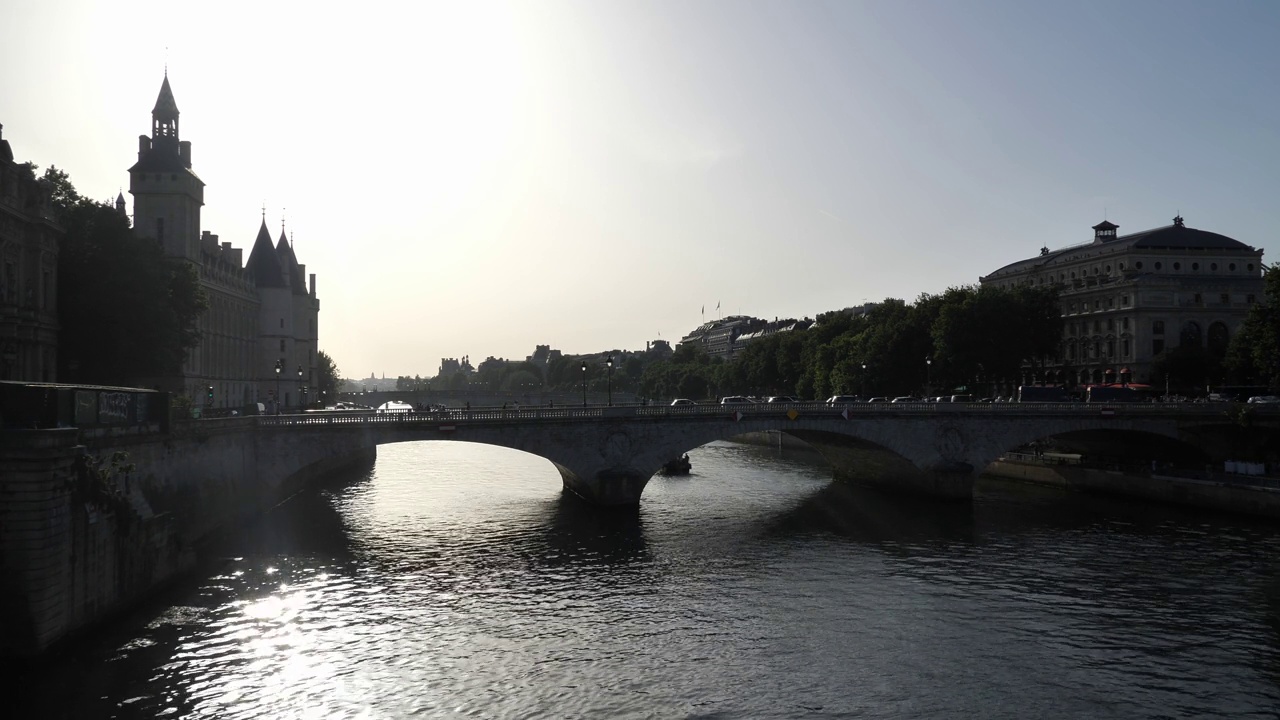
(679,466)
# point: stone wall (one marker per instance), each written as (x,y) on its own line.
(91,525)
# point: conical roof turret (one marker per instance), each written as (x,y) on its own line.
(264,264)
(166,106)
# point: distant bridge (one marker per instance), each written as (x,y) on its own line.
(608,454)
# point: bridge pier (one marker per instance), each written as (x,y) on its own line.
(609,487)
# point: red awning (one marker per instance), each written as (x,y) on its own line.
(1126,371)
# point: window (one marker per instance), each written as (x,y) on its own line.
(1097,327)
(1097,304)
(1224,298)
(1249,299)
(1157,347)
(1177,266)
(1124,300)
(10,288)
(1124,348)
(1124,324)
(1138,265)
(1111,324)
(282,346)
(1232,267)
(1195,266)
(1111,302)
(46,290)
(1108,269)
(1157,327)
(1197,299)
(1213,266)
(1111,348)
(1250,266)
(1122,266)
(281,322)
(1159,265)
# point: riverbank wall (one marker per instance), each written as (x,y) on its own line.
(93,524)
(1259,497)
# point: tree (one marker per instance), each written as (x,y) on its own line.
(1253,356)
(327,376)
(128,314)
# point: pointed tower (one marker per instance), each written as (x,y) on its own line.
(120,208)
(167,195)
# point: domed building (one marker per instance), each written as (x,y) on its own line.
(1127,299)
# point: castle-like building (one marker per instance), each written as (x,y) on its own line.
(29,239)
(258,338)
(1129,299)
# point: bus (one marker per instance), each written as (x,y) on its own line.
(1041,393)
(1114,394)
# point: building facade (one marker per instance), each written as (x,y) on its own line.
(260,332)
(1129,299)
(29,239)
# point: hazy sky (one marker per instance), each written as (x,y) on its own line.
(474,178)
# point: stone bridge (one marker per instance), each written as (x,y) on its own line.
(608,454)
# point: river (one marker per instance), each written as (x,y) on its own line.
(457,580)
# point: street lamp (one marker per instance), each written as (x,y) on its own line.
(279,367)
(928,375)
(301,392)
(864,382)
(609,382)
(584,383)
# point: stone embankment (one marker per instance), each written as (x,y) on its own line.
(91,524)
(1250,495)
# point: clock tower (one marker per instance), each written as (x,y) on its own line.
(167,195)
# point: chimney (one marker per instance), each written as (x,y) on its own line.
(313,284)
(144,145)
(236,257)
(184,152)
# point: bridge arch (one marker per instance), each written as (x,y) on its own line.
(608,455)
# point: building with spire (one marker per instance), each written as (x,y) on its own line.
(258,337)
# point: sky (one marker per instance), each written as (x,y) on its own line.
(478,178)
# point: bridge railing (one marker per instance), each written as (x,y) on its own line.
(754,410)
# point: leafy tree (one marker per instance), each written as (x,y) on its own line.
(128,314)
(328,376)
(1253,356)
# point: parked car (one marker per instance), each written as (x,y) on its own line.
(842,399)
(781,399)
(682,401)
(1264,399)
(735,400)
(878,399)
(962,398)
(905,399)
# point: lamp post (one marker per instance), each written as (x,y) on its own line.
(609,382)
(279,367)
(301,390)
(584,383)
(928,375)
(864,382)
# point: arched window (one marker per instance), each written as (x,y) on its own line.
(1191,335)
(1219,337)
